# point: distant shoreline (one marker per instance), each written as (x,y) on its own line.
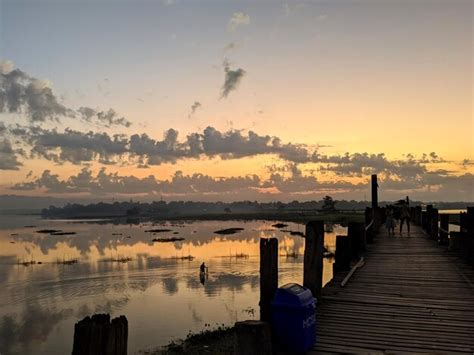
(297,217)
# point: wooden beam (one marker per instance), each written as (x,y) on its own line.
(313,258)
(268,275)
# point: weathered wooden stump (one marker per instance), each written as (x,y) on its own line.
(252,337)
(268,275)
(96,335)
(313,258)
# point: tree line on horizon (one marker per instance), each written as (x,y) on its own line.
(174,208)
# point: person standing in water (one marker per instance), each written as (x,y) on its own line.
(202,268)
(404,216)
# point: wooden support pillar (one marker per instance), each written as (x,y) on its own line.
(463,222)
(252,337)
(470,221)
(427,227)
(343,255)
(434,224)
(356,234)
(470,236)
(374,189)
(418,215)
(444,229)
(313,258)
(268,275)
(96,335)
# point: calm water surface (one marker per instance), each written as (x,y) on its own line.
(160,294)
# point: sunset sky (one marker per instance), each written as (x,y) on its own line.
(234,100)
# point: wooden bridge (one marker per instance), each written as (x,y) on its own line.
(411,296)
(390,293)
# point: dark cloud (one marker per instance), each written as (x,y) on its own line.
(23,94)
(79,147)
(196,105)
(20,93)
(363,164)
(231,80)
(8,156)
(105,118)
(291,183)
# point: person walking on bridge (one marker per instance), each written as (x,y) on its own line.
(404,217)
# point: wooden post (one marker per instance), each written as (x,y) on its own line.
(343,254)
(313,258)
(434,224)
(268,275)
(463,222)
(374,187)
(470,221)
(97,335)
(429,210)
(252,337)
(424,219)
(470,236)
(444,229)
(417,216)
(356,234)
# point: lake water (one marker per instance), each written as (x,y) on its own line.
(160,294)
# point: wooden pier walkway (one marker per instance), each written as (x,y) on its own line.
(411,296)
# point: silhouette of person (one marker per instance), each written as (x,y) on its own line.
(404,217)
(390,220)
(203,268)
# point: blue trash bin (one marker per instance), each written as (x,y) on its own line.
(294,317)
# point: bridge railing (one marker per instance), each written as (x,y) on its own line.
(437,227)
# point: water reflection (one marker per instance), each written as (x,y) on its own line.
(161,295)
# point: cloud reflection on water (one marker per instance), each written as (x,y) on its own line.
(159,294)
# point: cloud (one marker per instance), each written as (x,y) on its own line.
(111,183)
(230,46)
(465,163)
(72,146)
(83,147)
(141,150)
(238,19)
(105,118)
(8,156)
(20,93)
(231,80)
(434,185)
(23,94)
(197,185)
(196,105)
(291,8)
